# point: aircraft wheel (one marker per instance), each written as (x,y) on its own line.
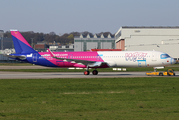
(168,74)
(86,72)
(95,72)
(160,74)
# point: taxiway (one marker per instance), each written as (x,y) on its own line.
(48,75)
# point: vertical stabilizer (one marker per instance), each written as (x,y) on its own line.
(20,44)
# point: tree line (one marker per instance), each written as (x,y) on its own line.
(67,38)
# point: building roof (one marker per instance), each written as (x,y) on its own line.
(95,36)
(150,27)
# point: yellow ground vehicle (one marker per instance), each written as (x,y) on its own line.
(169,72)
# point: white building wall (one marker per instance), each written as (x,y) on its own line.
(91,45)
(106,45)
(79,46)
(83,43)
(159,39)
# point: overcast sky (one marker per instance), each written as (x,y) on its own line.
(95,16)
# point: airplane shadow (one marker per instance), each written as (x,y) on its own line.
(80,75)
(113,75)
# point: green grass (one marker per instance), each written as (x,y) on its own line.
(86,99)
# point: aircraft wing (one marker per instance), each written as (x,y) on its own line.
(16,56)
(84,62)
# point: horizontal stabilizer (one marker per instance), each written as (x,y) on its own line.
(22,57)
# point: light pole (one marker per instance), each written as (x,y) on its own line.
(2,35)
(32,44)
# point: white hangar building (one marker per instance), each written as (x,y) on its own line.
(164,39)
(85,43)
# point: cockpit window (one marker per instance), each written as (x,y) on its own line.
(164,56)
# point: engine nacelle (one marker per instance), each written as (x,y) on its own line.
(111,63)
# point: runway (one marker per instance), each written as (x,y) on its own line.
(48,75)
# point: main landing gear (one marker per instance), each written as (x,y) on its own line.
(87,72)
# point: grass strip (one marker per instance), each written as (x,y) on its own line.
(98,98)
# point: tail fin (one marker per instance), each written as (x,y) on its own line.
(20,44)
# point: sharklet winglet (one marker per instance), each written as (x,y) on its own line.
(13,30)
(51,53)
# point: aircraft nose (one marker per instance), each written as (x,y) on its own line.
(173,61)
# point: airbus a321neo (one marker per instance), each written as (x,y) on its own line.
(91,59)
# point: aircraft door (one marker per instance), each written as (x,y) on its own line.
(34,57)
(99,57)
(142,63)
(154,56)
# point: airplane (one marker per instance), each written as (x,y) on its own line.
(89,59)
